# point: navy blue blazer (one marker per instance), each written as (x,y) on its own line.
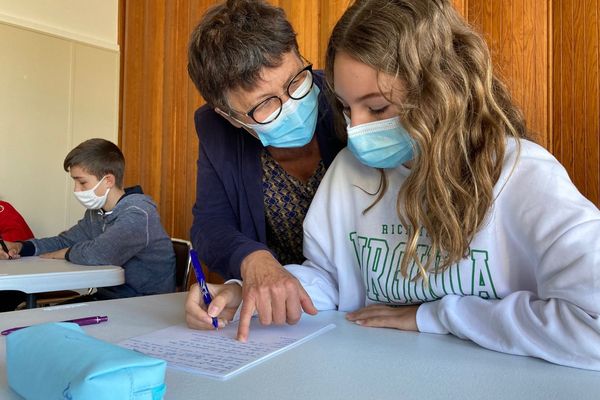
(229,216)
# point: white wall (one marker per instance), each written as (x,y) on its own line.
(89,21)
(59,85)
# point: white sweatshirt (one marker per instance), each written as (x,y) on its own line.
(530,286)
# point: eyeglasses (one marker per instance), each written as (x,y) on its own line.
(269,109)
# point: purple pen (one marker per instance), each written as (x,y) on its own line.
(79,321)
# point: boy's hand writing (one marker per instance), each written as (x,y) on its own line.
(224,304)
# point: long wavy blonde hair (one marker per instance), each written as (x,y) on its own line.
(456,110)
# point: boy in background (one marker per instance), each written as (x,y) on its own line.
(120,227)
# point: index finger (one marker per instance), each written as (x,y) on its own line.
(248,307)
(306,302)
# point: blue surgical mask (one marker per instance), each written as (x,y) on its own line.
(381,144)
(296,124)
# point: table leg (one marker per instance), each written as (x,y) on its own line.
(30,301)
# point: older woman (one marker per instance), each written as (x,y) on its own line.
(266,139)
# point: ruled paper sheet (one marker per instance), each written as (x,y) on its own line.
(216,353)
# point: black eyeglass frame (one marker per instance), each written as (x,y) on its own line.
(250,113)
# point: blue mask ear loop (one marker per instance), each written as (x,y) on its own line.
(98,184)
(247,129)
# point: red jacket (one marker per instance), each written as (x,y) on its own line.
(12,225)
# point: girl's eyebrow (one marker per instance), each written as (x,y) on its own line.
(363,97)
(369,96)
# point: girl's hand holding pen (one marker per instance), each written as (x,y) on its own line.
(224,304)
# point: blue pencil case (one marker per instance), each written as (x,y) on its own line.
(60,361)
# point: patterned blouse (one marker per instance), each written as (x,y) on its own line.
(286,202)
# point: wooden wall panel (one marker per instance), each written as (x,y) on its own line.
(546,51)
(157,133)
(304,17)
(592,100)
(576,84)
(578,77)
(313,21)
(331,11)
(517,34)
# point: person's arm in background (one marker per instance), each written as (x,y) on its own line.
(61,242)
(13,230)
(13,227)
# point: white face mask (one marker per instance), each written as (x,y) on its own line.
(90,200)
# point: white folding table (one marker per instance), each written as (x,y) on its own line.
(36,275)
(349,362)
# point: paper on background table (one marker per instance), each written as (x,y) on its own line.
(216,353)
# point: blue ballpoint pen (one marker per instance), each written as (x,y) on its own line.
(202,283)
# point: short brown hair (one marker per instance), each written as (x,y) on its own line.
(233,42)
(98,157)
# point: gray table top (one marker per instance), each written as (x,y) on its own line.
(36,275)
(348,362)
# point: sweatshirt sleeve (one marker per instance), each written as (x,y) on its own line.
(121,240)
(560,321)
(329,274)
(77,233)
(317,275)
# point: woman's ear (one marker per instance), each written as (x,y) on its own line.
(235,123)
